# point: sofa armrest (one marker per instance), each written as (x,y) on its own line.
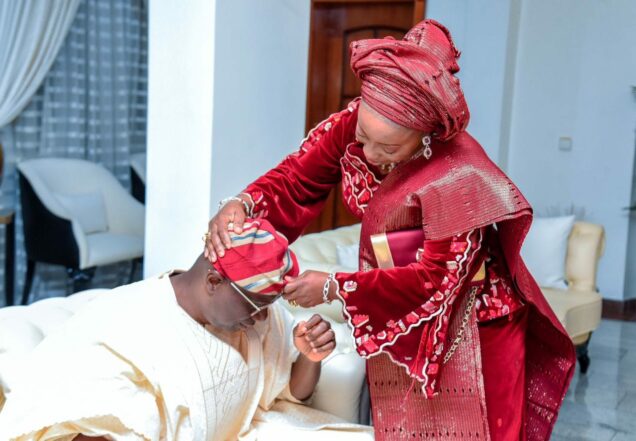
(585,247)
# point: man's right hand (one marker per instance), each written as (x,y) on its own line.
(314,338)
(218,238)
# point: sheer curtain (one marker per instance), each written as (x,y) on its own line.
(31,32)
(91,105)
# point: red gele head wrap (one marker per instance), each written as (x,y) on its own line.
(411,81)
(259,259)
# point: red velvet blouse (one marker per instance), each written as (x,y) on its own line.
(383,306)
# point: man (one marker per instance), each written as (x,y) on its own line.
(199,355)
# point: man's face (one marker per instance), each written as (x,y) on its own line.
(232,308)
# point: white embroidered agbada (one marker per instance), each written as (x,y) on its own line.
(133,365)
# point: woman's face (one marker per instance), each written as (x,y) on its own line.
(385,142)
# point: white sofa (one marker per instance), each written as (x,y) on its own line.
(341,387)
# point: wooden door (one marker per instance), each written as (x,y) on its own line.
(331,83)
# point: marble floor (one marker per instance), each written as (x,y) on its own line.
(601,405)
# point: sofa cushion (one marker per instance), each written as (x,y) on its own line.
(545,249)
(18,335)
(348,255)
(87,209)
(107,248)
(321,247)
(579,312)
(23,327)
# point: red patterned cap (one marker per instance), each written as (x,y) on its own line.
(259,259)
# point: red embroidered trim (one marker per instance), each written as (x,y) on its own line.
(436,308)
(498,298)
(358,182)
(259,204)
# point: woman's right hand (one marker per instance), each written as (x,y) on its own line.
(218,239)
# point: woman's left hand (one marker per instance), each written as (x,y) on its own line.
(306,289)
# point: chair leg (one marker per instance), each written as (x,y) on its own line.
(28,281)
(133,268)
(80,278)
(583,356)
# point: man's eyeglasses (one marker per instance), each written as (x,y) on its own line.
(257,308)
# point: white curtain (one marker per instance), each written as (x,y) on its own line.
(31,34)
(91,105)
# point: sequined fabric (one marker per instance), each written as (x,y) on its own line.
(359,181)
(401,411)
(457,190)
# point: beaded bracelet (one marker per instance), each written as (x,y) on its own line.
(224,202)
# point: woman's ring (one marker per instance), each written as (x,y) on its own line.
(206,237)
(293,303)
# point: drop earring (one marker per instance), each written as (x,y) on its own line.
(426,149)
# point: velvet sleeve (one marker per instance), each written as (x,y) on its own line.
(406,311)
(292,194)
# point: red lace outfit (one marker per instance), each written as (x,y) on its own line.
(406,312)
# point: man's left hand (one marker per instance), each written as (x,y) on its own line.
(314,338)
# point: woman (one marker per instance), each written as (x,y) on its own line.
(465,322)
